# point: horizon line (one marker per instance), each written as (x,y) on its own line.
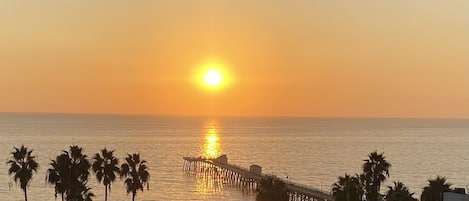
(235,116)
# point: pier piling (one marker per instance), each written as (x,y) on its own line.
(249,179)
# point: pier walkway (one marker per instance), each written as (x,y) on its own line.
(249,178)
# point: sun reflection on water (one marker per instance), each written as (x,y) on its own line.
(209,182)
(211,147)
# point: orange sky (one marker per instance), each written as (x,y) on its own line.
(285,58)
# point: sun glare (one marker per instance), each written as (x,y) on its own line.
(213,78)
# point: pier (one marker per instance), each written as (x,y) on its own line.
(248,179)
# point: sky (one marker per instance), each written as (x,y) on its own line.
(364,58)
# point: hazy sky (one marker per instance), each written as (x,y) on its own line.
(400,58)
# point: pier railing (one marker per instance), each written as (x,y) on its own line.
(249,179)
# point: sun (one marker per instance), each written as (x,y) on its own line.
(213,78)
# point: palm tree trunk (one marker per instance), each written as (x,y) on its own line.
(105,192)
(25,195)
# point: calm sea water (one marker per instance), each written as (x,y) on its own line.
(310,151)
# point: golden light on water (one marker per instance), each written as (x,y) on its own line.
(211,144)
(208,185)
(211,147)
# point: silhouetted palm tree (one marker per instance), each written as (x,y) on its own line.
(135,172)
(362,183)
(105,167)
(57,174)
(399,192)
(69,173)
(87,195)
(376,170)
(271,189)
(22,164)
(347,189)
(435,189)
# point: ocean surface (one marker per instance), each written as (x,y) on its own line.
(310,151)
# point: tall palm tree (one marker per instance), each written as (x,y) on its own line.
(69,173)
(271,189)
(105,167)
(399,192)
(362,183)
(87,194)
(135,172)
(348,188)
(435,189)
(58,174)
(376,170)
(22,164)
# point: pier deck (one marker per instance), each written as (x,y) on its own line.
(249,179)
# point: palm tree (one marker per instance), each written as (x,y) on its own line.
(347,189)
(362,183)
(135,172)
(271,189)
(87,194)
(376,170)
(22,164)
(69,173)
(399,192)
(58,173)
(105,167)
(435,189)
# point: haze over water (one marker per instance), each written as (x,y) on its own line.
(310,151)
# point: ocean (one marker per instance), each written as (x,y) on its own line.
(309,151)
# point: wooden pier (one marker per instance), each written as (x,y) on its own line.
(248,179)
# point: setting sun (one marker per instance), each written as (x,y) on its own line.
(213,75)
(213,78)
